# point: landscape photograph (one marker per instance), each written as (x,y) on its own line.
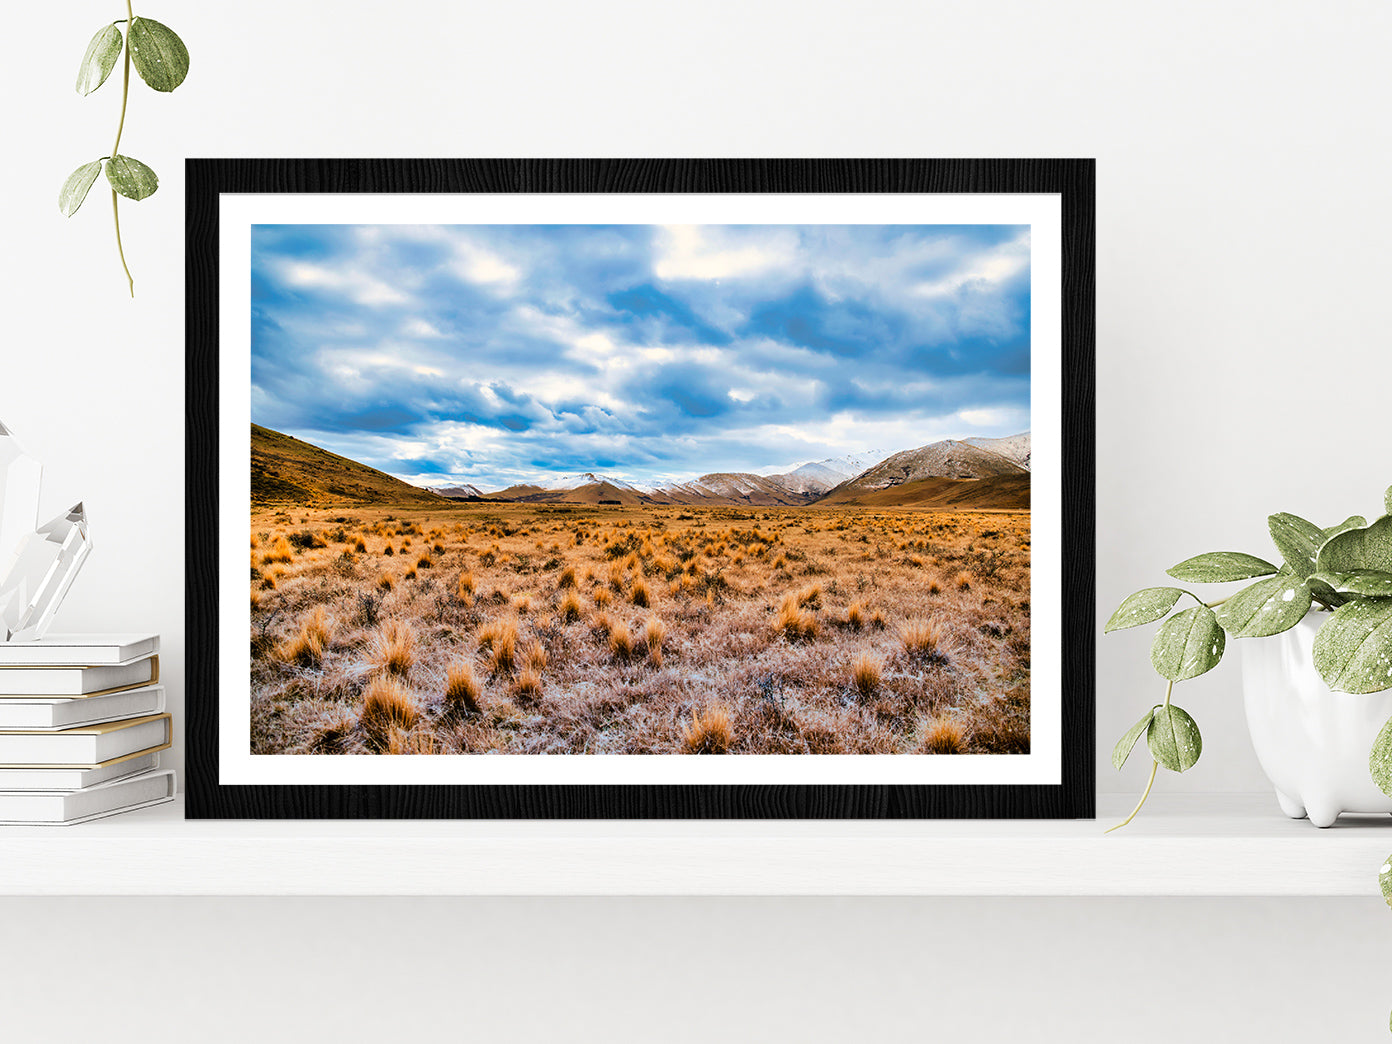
(640,489)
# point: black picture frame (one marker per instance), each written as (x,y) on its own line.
(1071,179)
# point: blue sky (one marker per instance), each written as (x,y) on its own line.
(496,354)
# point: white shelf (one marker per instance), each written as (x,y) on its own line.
(1209,845)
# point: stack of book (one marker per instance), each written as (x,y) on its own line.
(82,724)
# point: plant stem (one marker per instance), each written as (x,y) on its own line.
(120,127)
(1154,768)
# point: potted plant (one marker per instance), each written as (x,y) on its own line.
(1318,692)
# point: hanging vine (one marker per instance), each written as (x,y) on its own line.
(162,61)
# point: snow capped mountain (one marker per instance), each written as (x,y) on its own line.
(821,475)
(1013,447)
(589,478)
(465,490)
(948,459)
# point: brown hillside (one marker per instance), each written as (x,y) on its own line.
(999,492)
(285,469)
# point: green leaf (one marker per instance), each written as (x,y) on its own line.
(130,177)
(1297,540)
(1353,650)
(1267,607)
(75,189)
(1387,500)
(1366,583)
(1352,522)
(1219,567)
(1385,878)
(1354,549)
(1380,765)
(1143,607)
(99,60)
(1173,738)
(159,55)
(1320,589)
(1122,750)
(1188,644)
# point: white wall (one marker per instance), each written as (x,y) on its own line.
(1242,225)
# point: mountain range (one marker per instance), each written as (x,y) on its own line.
(950,474)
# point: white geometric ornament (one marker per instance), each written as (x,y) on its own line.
(37,565)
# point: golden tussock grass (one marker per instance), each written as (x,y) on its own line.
(639,593)
(467,585)
(279,552)
(621,645)
(943,736)
(923,639)
(307,648)
(711,730)
(360,546)
(462,689)
(810,597)
(877,620)
(602,598)
(571,608)
(654,634)
(527,685)
(536,657)
(865,675)
(794,624)
(855,616)
(388,702)
(499,638)
(410,574)
(394,649)
(963,581)
(424,562)
(385,583)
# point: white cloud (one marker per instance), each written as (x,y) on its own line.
(361,287)
(689,252)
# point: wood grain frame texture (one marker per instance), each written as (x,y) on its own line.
(1072,179)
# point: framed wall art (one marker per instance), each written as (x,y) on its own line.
(640,488)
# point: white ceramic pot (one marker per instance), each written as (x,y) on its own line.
(1312,742)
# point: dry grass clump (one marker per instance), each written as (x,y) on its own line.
(877,620)
(467,586)
(255,599)
(963,581)
(810,597)
(394,649)
(536,657)
(527,685)
(855,616)
(602,598)
(307,648)
(462,688)
(500,639)
(654,634)
(620,641)
(280,551)
(360,546)
(387,702)
(943,736)
(865,675)
(567,578)
(924,639)
(571,608)
(424,562)
(794,624)
(934,587)
(711,730)
(385,583)
(639,593)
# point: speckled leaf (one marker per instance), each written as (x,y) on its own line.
(1122,750)
(1143,607)
(1322,592)
(1297,540)
(1353,650)
(1368,548)
(1352,522)
(1385,875)
(1219,567)
(1188,644)
(130,177)
(75,188)
(99,60)
(1366,583)
(160,57)
(1380,765)
(1267,607)
(1387,500)
(1173,738)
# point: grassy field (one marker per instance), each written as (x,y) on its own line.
(561,629)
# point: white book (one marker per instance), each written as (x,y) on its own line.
(77,681)
(87,746)
(25,778)
(78,650)
(64,808)
(25,713)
